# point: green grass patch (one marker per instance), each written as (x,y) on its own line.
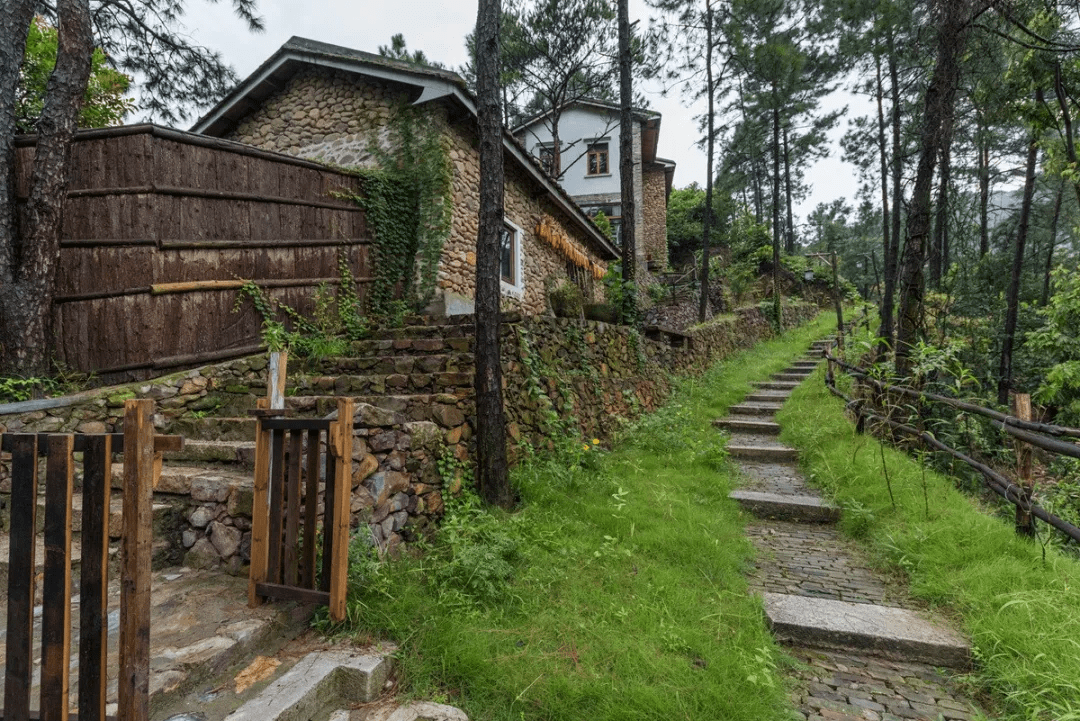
(616,591)
(1019,601)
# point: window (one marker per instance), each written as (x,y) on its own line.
(510,260)
(598,159)
(548,161)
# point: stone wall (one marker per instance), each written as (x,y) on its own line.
(335,117)
(654,237)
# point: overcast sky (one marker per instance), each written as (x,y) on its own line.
(439,29)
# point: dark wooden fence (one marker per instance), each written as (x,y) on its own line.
(139,446)
(285,524)
(160,227)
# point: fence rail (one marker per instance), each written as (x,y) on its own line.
(1024,430)
(140,448)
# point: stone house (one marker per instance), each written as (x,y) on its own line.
(334,104)
(589,158)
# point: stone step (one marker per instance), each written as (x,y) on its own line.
(774,453)
(319,683)
(442,408)
(364,385)
(238,453)
(787,376)
(213,428)
(412,332)
(808,363)
(202,483)
(800,509)
(411,346)
(776,385)
(754,409)
(748,425)
(439,362)
(892,633)
(767,397)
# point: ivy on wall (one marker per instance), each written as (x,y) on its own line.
(408,201)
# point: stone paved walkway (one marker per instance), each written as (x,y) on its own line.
(843,679)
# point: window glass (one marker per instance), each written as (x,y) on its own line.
(598,159)
(507,254)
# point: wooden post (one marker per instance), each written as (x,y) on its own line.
(56,588)
(260,520)
(341,446)
(275,382)
(839,305)
(135,551)
(19,666)
(94,579)
(1025,522)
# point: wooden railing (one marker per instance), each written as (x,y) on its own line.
(141,449)
(285,526)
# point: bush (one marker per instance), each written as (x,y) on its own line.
(566,300)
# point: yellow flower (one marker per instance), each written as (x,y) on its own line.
(596,441)
(585,446)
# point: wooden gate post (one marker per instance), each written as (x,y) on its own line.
(341,440)
(260,493)
(135,552)
(56,587)
(1025,522)
(19,666)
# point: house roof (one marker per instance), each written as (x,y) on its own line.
(430,84)
(650,122)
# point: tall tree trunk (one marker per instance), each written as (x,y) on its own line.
(759,200)
(883,158)
(886,331)
(1066,118)
(626,163)
(940,99)
(703,300)
(492,478)
(984,193)
(777,308)
(789,240)
(941,220)
(26,300)
(1053,241)
(1012,301)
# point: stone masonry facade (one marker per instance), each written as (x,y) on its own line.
(654,234)
(335,118)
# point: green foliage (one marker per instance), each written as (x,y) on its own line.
(408,202)
(686,219)
(104,103)
(14,390)
(567,300)
(336,318)
(1058,343)
(618,293)
(604,225)
(619,579)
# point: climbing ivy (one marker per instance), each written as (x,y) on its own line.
(408,202)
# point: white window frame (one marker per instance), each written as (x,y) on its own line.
(517,289)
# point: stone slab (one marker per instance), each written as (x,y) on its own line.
(319,683)
(754,409)
(882,631)
(804,509)
(767,397)
(762,452)
(749,426)
(795,377)
(776,385)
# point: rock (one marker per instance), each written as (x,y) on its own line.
(188,538)
(422,434)
(226,539)
(369,415)
(92,427)
(399,502)
(201,517)
(210,489)
(240,501)
(385,484)
(382,441)
(364,468)
(202,555)
(447,416)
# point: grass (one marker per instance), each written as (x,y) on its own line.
(615,592)
(1019,602)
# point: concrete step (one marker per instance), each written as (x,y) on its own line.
(754,409)
(892,633)
(767,397)
(238,453)
(776,385)
(800,509)
(748,425)
(319,684)
(364,385)
(773,453)
(788,376)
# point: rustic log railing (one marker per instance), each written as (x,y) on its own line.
(141,449)
(285,524)
(1023,430)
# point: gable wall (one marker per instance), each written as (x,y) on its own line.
(333,117)
(654,237)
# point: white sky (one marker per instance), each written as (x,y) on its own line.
(439,29)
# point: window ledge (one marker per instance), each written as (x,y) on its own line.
(599,175)
(514,291)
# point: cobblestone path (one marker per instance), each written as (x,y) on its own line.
(865,650)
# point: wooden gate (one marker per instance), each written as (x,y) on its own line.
(141,451)
(290,456)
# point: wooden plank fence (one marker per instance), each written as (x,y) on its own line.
(141,448)
(285,524)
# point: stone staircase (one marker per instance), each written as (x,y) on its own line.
(867,650)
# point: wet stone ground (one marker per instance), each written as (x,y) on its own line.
(839,687)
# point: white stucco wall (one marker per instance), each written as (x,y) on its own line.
(578,127)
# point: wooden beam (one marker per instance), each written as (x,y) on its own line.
(20,600)
(260,520)
(1025,523)
(56,590)
(94,579)
(341,443)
